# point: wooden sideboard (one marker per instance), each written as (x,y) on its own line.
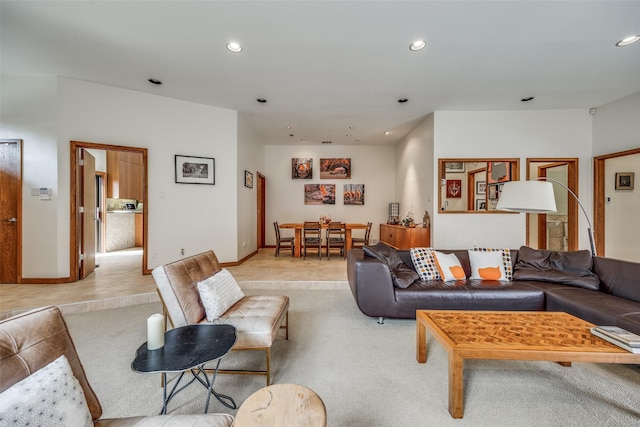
(401,237)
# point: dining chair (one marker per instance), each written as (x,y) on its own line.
(359,242)
(282,242)
(336,238)
(312,237)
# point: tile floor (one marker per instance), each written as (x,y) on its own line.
(118,282)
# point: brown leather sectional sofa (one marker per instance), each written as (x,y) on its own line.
(615,302)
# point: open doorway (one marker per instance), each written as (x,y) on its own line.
(87,225)
(558,231)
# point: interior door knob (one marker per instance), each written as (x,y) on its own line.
(11,220)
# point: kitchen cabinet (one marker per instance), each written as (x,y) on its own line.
(401,237)
(139,230)
(124,175)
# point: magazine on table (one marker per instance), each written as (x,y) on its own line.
(618,336)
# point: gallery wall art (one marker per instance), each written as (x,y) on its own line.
(353,194)
(319,194)
(195,170)
(335,168)
(301,168)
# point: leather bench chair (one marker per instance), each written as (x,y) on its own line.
(30,341)
(257,318)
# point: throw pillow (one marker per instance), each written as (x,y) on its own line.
(425,264)
(49,396)
(487,265)
(372,252)
(218,293)
(401,274)
(506,260)
(449,267)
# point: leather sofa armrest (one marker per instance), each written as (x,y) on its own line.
(371,284)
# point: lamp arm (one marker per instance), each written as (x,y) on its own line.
(591,240)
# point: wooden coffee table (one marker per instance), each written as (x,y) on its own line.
(510,335)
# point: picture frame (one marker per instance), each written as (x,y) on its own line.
(335,168)
(353,194)
(454,167)
(195,170)
(494,192)
(301,168)
(248,179)
(319,194)
(625,180)
(481,205)
(454,188)
(481,187)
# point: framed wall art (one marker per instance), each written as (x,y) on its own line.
(481,205)
(454,188)
(335,168)
(481,187)
(624,180)
(353,194)
(248,179)
(301,168)
(319,194)
(454,167)
(195,170)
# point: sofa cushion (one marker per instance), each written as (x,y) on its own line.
(218,293)
(630,322)
(401,274)
(49,396)
(373,252)
(449,267)
(171,420)
(618,277)
(424,262)
(500,257)
(489,265)
(569,268)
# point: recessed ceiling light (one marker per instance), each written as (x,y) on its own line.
(417,45)
(348,135)
(261,100)
(154,81)
(628,40)
(289,127)
(387,133)
(402,100)
(326,142)
(528,98)
(234,47)
(352,127)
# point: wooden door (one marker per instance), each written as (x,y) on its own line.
(87,213)
(262,190)
(10,201)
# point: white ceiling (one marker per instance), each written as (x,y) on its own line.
(326,65)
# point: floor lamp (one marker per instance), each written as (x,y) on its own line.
(536,197)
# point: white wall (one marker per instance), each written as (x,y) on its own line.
(415,171)
(373,166)
(498,134)
(250,158)
(616,126)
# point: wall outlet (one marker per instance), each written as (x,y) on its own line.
(244,244)
(182,251)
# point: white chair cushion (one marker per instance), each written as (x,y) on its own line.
(201,420)
(218,293)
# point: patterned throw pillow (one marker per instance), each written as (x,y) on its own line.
(424,262)
(49,396)
(449,266)
(218,293)
(496,257)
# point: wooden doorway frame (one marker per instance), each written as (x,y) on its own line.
(572,204)
(18,223)
(73,166)
(261,211)
(599,197)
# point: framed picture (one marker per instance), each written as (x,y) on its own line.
(301,168)
(248,179)
(493,192)
(335,168)
(481,187)
(195,170)
(319,194)
(498,172)
(454,167)
(353,194)
(481,205)
(454,188)
(624,180)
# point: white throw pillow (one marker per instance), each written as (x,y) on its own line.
(218,293)
(487,265)
(425,264)
(449,266)
(49,396)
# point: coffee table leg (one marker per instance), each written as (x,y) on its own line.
(421,342)
(456,373)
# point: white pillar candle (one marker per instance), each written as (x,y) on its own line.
(155,331)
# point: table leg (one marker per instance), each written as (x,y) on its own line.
(347,243)
(421,342)
(222,398)
(298,243)
(456,372)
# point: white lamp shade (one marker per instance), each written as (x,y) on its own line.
(527,196)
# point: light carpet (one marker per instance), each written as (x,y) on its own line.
(366,374)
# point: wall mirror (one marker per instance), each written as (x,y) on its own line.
(474,185)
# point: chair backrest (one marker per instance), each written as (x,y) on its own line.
(32,340)
(277,228)
(177,284)
(368,232)
(336,229)
(311,229)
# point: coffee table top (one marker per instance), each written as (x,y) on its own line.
(186,347)
(490,331)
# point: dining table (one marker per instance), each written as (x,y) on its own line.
(298,226)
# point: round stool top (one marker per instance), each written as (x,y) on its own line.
(282,405)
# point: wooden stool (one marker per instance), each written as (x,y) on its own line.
(282,405)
